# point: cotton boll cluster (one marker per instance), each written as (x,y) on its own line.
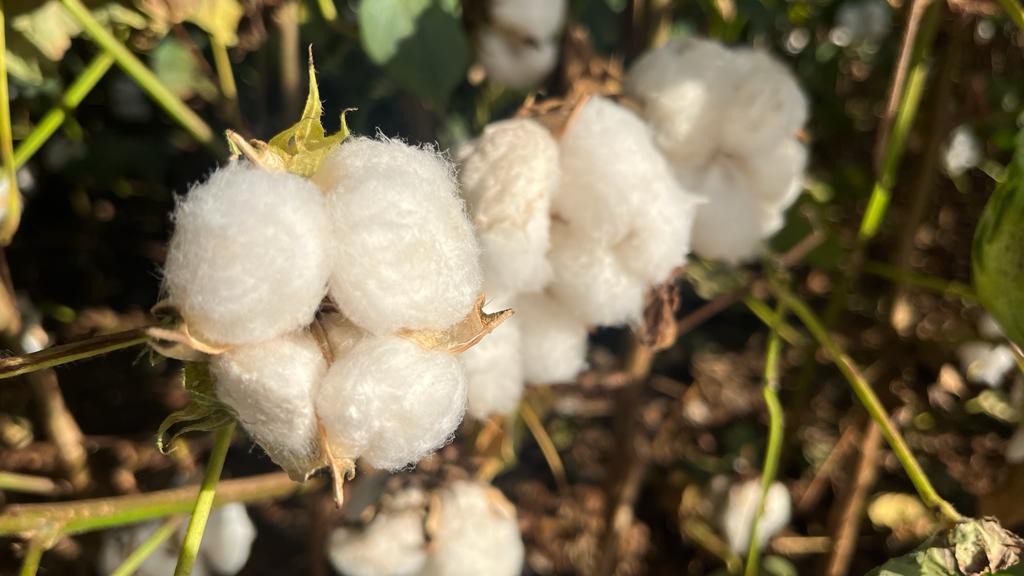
(473,530)
(727,121)
(227,543)
(741,505)
(518,47)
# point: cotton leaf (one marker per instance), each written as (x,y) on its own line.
(971,547)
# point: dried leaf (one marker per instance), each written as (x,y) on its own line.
(462,336)
(970,547)
(659,328)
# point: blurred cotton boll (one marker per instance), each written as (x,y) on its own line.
(228,539)
(514,62)
(962,152)
(508,176)
(554,340)
(391,402)
(766,105)
(534,19)
(271,387)
(403,252)
(494,371)
(392,544)
(476,533)
(741,505)
(248,258)
(986,363)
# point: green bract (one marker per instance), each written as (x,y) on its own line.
(998,252)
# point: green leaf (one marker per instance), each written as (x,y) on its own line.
(175,65)
(970,547)
(998,251)
(204,411)
(420,42)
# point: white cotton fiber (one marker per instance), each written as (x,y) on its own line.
(534,19)
(271,387)
(986,363)
(391,402)
(513,62)
(494,371)
(476,533)
(682,86)
(228,539)
(391,545)
(741,508)
(554,340)
(118,544)
(766,105)
(508,176)
(342,334)
(776,176)
(404,254)
(962,151)
(248,258)
(592,281)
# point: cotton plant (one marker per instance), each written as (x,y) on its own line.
(227,544)
(464,528)
(727,120)
(518,45)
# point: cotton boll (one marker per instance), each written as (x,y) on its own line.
(118,544)
(513,62)
(228,539)
(248,258)
(682,86)
(1015,447)
(404,254)
(729,226)
(494,371)
(391,402)
(271,386)
(554,341)
(535,19)
(741,508)
(776,176)
(508,176)
(591,280)
(765,107)
(477,533)
(391,545)
(962,152)
(986,363)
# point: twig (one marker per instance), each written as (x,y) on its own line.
(848,525)
(547,447)
(225,75)
(12,212)
(811,495)
(917,280)
(147,547)
(33,556)
(204,501)
(61,428)
(71,352)
(287,18)
(139,72)
(27,484)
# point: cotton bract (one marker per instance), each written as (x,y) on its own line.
(477,533)
(494,371)
(392,544)
(554,340)
(741,507)
(248,258)
(391,402)
(404,254)
(509,175)
(271,387)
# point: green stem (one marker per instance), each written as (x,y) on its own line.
(33,557)
(12,212)
(204,502)
(910,278)
(328,10)
(53,119)
(1015,11)
(24,483)
(139,72)
(771,319)
(866,395)
(225,75)
(776,424)
(71,352)
(101,513)
(140,554)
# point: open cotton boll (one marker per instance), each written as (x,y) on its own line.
(508,176)
(391,402)
(248,258)
(391,545)
(342,333)
(765,107)
(494,371)
(729,226)
(741,508)
(228,539)
(682,85)
(554,340)
(535,19)
(514,62)
(271,387)
(404,254)
(986,363)
(962,152)
(776,176)
(592,281)
(476,533)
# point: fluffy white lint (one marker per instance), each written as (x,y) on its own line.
(741,507)
(494,371)
(554,340)
(391,545)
